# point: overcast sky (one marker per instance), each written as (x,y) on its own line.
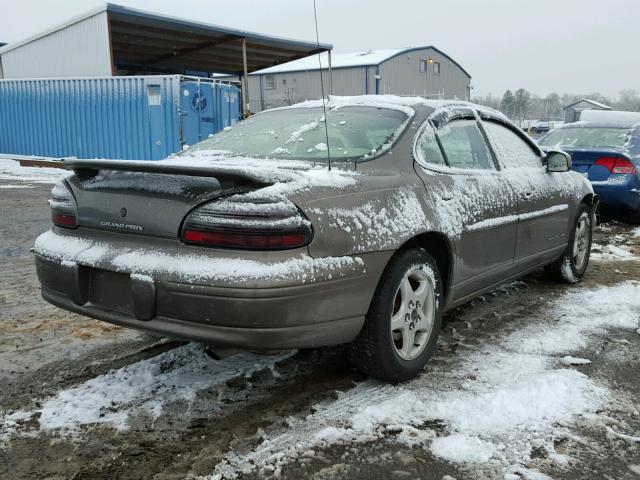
(574,46)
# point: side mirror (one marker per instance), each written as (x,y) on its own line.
(558,161)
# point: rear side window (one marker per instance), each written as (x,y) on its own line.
(428,150)
(511,150)
(464,145)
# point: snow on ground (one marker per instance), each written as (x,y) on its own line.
(141,388)
(12,171)
(502,401)
(612,252)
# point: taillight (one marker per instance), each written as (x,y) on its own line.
(64,211)
(249,224)
(616,165)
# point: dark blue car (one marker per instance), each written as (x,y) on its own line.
(608,154)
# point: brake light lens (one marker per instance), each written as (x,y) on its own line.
(616,165)
(242,223)
(64,211)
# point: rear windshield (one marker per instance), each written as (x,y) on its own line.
(587,137)
(355,132)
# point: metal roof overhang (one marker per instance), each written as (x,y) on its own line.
(157,43)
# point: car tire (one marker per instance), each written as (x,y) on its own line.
(632,219)
(572,265)
(398,354)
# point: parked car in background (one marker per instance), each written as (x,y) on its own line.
(608,154)
(541,127)
(256,239)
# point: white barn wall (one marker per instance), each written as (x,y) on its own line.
(78,50)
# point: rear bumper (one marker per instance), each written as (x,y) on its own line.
(623,193)
(252,338)
(300,311)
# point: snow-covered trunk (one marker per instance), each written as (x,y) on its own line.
(145,203)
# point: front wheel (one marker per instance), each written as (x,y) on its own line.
(403,322)
(572,265)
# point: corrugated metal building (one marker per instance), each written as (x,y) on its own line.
(113,40)
(132,117)
(425,71)
(573,111)
(117,40)
(117,82)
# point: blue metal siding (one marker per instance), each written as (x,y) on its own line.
(109,117)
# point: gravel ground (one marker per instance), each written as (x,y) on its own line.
(207,414)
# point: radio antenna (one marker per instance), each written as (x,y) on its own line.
(324,107)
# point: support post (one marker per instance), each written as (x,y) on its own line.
(330,75)
(245,81)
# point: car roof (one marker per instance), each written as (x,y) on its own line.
(399,102)
(621,124)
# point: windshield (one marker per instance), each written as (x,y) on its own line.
(585,137)
(355,132)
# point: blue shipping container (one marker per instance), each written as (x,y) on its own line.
(133,118)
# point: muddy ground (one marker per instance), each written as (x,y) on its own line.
(44,350)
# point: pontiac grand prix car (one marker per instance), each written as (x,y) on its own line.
(296,229)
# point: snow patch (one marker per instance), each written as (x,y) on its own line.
(142,387)
(609,253)
(462,449)
(12,171)
(569,360)
(502,398)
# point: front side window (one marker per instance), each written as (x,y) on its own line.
(511,150)
(464,145)
(436,68)
(423,66)
(355,133)
(587,137)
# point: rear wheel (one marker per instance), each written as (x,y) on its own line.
(403,322)
(573,263)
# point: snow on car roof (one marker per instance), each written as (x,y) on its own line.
(397,102)
(601,124)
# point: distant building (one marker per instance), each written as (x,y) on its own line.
(573,110)
(424,71)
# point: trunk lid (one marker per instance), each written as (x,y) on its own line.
(147,198)
(584,162)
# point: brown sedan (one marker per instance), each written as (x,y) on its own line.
(297,229)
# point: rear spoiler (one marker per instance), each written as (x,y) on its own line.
(89,168)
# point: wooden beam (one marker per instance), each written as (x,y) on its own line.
(185,51)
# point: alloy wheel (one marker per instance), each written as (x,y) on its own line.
(581,242)
(413,313)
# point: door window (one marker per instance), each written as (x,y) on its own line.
(464,145)
(428,150)
(512,151)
